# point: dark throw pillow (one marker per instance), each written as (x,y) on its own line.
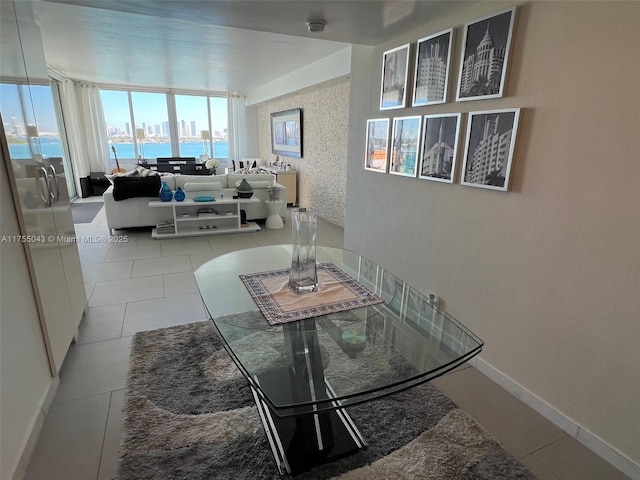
(131,187)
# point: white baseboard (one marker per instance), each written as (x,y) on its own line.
(35,429)
(582,435)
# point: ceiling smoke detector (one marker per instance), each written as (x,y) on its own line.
(316,26)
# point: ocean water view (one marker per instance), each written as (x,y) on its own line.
(52,148)
(155,150)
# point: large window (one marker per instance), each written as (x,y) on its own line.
(202,126)
(153,134)
(219,127)
(192,115)
(140,124)
(117,116)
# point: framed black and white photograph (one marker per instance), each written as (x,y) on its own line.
(404,146)
(395,68)
(377,149)
(433,57)
(491,138)
(286,133)
(439,147)
(485,56)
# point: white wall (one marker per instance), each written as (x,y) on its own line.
(323,169)
(25,377)
(548,274)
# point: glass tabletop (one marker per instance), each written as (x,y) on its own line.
(336,360)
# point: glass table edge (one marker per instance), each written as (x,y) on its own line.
(348,400)
(341,401)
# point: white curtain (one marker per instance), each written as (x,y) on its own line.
(95,129)
(237,126)
(85,128)
(73,129)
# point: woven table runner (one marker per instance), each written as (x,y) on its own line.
(337,292)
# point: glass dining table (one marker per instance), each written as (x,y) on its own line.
(305,374)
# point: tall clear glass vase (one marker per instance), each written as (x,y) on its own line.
(304,276)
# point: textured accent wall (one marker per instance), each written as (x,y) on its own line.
(322,172)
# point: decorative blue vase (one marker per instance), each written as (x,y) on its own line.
(166,195)
(179,195)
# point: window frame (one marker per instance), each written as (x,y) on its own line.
(172,115)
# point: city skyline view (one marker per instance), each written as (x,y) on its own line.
(151,115)
(150,111)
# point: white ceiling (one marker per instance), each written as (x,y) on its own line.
(213,45)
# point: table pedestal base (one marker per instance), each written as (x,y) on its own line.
(299,443)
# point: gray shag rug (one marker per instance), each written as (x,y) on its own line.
(85,212)
(189,414)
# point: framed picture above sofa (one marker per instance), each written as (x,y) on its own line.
(376,156)
(490,143)
(286,133)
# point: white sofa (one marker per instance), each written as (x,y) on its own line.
(135,212)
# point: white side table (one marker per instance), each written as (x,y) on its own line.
(274,220)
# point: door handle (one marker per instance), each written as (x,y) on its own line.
(55,197)
(42,175)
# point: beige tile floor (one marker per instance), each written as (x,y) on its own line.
(145,284)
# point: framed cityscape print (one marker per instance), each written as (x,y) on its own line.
(404,146)
(286,133)
(395,68)
(485,56)
(377,150)
(433,57)
(439,147)
(491,138)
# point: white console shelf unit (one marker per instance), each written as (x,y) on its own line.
(192,219)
